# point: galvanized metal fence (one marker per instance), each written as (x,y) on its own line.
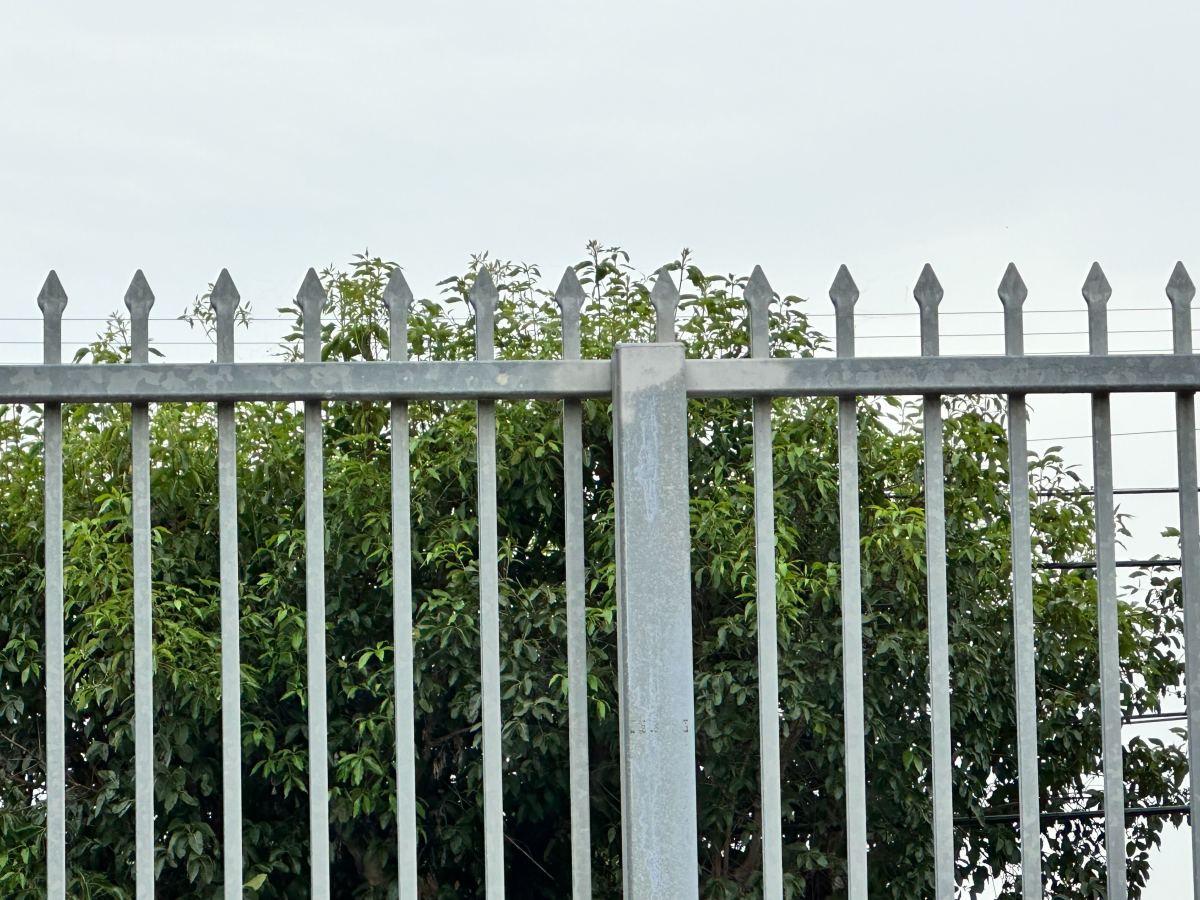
(649,385)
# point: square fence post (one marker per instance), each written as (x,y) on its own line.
(654,623)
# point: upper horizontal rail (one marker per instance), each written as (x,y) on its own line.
(898,376)
(577,379)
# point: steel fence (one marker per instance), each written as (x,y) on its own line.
(649,385)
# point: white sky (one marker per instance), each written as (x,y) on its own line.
(269,137)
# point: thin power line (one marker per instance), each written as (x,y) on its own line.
(811,315)
(1086,437)
(1071,437)
(154,343)
(991,312)
(861,337)
(983,334)
(152,319)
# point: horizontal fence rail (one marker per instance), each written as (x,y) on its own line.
(649,385)
(583,379)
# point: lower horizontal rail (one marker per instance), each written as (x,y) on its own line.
(576,379)
(1085,492)
(1156,717)
(1120,564)
(1131,812)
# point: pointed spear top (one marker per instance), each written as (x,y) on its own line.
(397,294)
(1096,289)
(663,293)
(52,299)
(758,291)
(224,297)
(311,294)
(1180,290)
(843,292)
(483,293)
(665,299)
(570,298)
(139,298)
(758,296)
(928,291)
(1012,288)
(311,298)
(569,295)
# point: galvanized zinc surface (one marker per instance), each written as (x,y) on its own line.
(649,385)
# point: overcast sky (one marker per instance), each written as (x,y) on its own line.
(271,136)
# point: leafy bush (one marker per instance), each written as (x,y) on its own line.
(185,577)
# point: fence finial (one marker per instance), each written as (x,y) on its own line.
(138,300)
(138,296)
(52,299)
(311,298)
(224,299)
(484,298)
(1012,288)
(398,297)
(1096,293)
(928,294)
(570,298)
(665,298)
(1180,289)
(483,294)
(844,294)
(1096,289)
(758,296)
(1012,292)
(928,291)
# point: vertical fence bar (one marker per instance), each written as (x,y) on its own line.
(758,295)
(483,299)
(1012,293)
(1096,292)
(844,294)
(1181,291)
(225,299)
(139,299)
(399,300)
(52,300)
(654,624)
(570,301)
(928,294)
(312,300)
